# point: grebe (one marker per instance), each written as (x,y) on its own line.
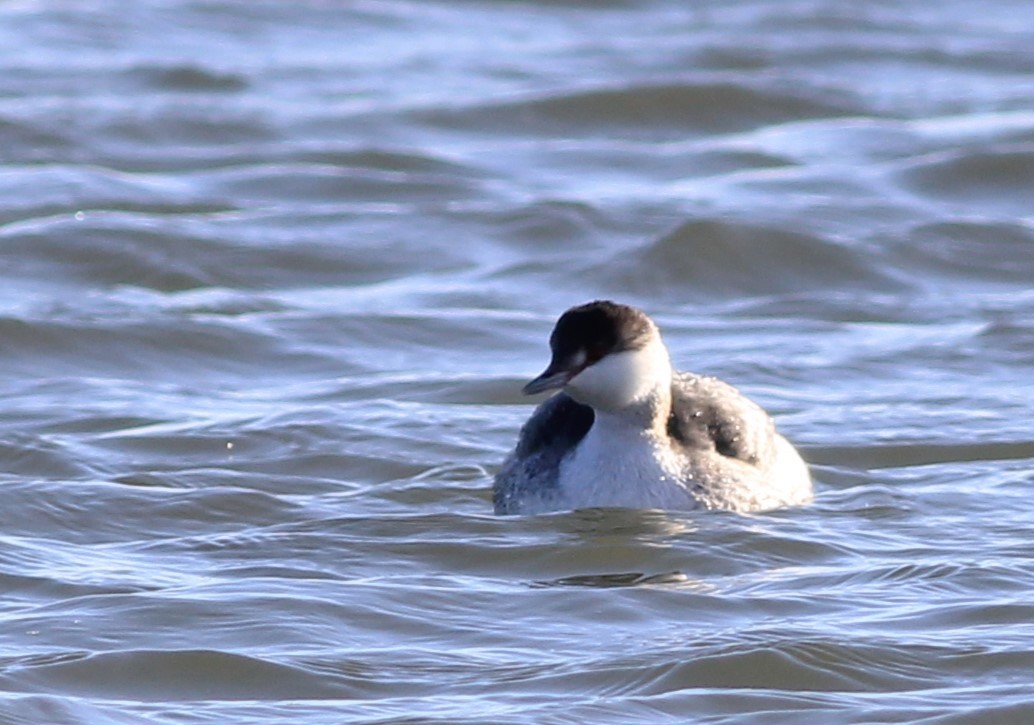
(628,431)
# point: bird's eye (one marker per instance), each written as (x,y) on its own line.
(578,360)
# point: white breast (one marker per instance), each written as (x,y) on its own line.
(616,465)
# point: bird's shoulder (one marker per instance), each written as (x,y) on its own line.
(532,471)
(558,423)
(708,413)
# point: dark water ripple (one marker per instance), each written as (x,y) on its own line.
(272,279)
(706,105)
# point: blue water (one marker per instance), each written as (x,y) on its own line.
(271,278)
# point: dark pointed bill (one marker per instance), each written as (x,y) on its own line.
(551,379)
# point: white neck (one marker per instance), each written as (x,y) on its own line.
(630,388)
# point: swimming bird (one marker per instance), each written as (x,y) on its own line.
(626,430)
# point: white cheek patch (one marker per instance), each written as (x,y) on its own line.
(621,379)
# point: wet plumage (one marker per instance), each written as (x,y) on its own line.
(626,430)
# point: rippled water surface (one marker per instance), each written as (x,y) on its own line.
(273,273)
